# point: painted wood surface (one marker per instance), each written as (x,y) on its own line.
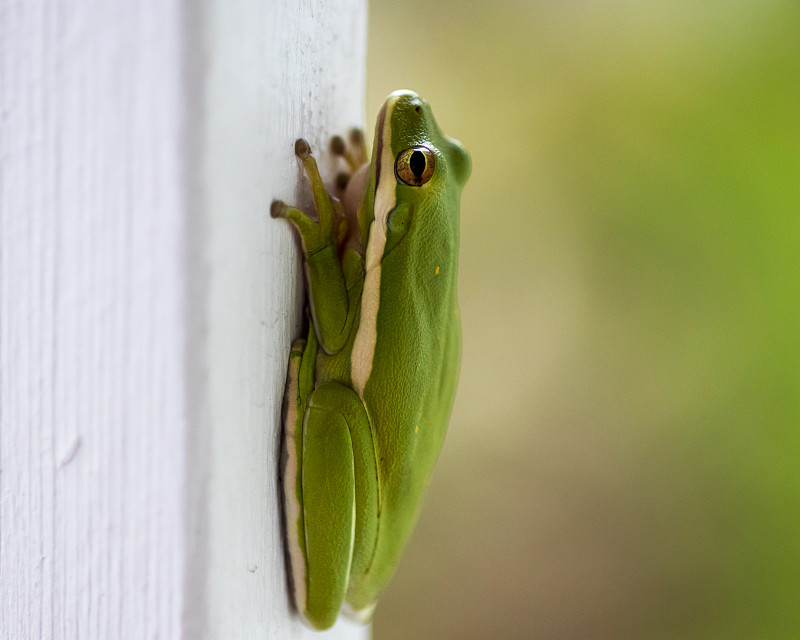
(147,302)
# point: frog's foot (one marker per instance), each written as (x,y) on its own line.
(354,153)
(330,227)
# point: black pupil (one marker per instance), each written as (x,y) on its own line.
(417,163)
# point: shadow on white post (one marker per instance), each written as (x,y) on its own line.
(147,304)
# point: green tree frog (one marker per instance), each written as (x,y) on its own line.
(369,392)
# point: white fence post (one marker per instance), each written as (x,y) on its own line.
(147,302)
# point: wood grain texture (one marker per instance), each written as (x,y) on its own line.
(275,71)
(147,303)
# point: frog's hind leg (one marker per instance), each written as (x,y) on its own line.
(339,499)
(299,385)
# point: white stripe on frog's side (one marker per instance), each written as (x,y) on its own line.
(385,199)
(290,481)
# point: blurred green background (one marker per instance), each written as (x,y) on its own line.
(624,455)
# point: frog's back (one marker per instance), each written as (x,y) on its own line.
(406,351)
(410,390)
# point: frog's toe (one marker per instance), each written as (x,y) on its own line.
(302,149)
(278,209)
(338,147)
(358,145)
(361,616)
(342,180)
(353,152)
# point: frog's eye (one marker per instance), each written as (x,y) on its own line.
(415,166)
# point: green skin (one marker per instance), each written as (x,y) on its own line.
(369,393)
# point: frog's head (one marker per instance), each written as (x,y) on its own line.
(417,174)
(421,151)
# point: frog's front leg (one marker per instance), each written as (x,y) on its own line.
(335,285)
(336,490)
(354,153)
